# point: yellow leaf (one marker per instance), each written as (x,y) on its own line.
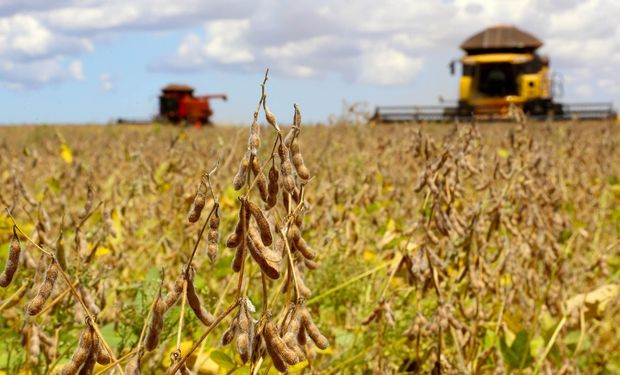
(185,348)
(503,153)
(101,251)
(206,365)
(615,189)
(328,350)
(391,225)
(298,367)
(369,255)
(117,225)
(593,302)
(66,154)
(505,280)
(411,246)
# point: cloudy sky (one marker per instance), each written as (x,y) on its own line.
(93,61)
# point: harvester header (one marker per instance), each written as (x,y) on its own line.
(501,68)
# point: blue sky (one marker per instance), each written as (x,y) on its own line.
(77,61)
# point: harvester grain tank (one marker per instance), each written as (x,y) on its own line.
(501,69)
(177,104)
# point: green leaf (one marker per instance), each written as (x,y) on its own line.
(152,275)
(54,184)
(110,335)
(344,339)
(222,359)
(489,339)
(517,356)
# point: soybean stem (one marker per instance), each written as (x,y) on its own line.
(217,321)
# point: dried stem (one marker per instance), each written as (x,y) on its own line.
(217,321)
(180,329)
(75,293)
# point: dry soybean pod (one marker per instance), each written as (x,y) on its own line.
(258,349)
(230,332)
(81,244)
(245,329)
(85,346)
(272,187)
(156,324)
(304,249)
(196,304)
(91,359)
(301,336)
(261,222)
(296,116)
(289,136)
(268,260)
(173,294)
(277,360)
(88,204)
(311,264)
(286,168)
(34,344)
(298,160)
(239,258)
(269,116)
(12,261)
(254,138)
(239,179)
(103,358)
(313,331)
(213,234)
(88,300)
(294,324)
(261,181)
(290,339)
(199,203)
(36,305)
(241,247)
(108,222)
(235,238)
(275,344)
(133,366)
(304,291)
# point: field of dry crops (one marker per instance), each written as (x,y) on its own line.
(409,249)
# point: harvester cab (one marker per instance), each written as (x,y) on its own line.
(178,105)
(500,69)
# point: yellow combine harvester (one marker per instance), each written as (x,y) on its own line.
(500,69)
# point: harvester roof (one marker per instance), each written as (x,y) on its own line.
(501,38)
(177,88)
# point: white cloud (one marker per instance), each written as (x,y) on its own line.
(226,44)
(93,16)
(609,85)
(25,35)
(36,73)
(387,66)
(387,42)
(44,33)
(105,79)
(584,90)
(76,71)
(33,55)
(390,43)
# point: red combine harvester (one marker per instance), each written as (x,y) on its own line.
(178,105)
